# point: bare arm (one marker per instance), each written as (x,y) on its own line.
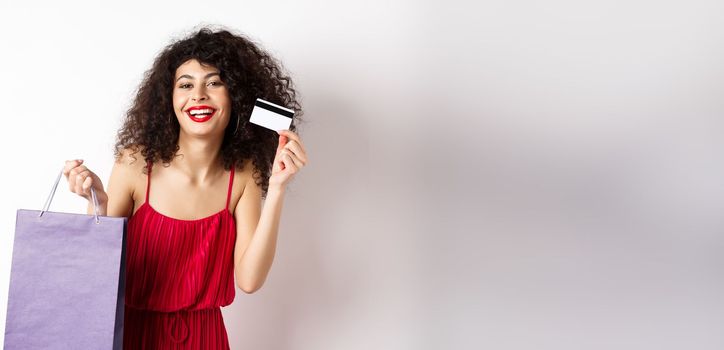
(256,235)
(258,228)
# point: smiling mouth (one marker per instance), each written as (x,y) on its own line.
(201,115)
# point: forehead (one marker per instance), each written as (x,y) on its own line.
(195,68)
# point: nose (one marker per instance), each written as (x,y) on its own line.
(199,94)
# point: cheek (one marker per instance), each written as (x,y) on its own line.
(178,101)
(224,97)
(224,102)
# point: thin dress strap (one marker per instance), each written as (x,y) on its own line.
(231,183)
(148,184)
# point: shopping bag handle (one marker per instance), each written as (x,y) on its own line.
(52,193)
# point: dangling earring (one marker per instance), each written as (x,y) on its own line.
(238,119)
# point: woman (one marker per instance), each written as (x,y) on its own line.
(190,123)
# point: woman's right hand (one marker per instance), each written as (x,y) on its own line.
(81,179)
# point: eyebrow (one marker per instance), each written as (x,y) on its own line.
(190,77)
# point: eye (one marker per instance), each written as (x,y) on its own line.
(216,83)
(184,86)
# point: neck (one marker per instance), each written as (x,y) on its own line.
(199,159)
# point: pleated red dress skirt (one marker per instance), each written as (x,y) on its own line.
(179,274)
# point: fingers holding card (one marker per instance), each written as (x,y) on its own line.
(290,155)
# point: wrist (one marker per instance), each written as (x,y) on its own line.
(276,189)
(102,198)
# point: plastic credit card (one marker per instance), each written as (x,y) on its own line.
(271,116)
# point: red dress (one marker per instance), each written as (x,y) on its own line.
(179,273)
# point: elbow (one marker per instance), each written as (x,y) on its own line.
(247,288)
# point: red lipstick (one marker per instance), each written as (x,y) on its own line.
(200,118)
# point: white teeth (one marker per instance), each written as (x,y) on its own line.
(200,111)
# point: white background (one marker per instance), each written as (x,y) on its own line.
(499,175)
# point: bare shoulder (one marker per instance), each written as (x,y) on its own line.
(122,191)
(243,181)
(246,175)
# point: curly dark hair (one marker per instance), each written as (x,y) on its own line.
(248,71)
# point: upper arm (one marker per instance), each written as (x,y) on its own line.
(121,185)
(246,214)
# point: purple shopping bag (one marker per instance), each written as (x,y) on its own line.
(66,280)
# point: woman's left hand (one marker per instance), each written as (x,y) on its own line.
(290,158)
